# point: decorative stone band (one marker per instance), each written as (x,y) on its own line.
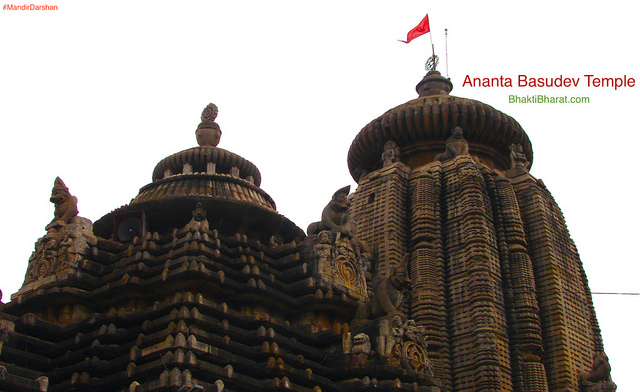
(421,126)
(203,185)
(209,160)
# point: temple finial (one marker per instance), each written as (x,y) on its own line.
(208,132)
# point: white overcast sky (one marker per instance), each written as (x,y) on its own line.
(99,91)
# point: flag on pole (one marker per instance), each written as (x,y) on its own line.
(420,29)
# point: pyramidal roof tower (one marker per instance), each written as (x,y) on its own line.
(449,268)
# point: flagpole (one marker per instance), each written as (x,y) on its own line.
(446,52)
(433,50)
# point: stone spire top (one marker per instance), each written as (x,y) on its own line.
(208,132)
(434,83)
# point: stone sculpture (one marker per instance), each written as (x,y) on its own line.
(455,145)
(389,293)
(335,216)
(68,237)
(341,258)
(390,154)
(66,206)
(598,379)
(199,221)
(361,344)
(519,163)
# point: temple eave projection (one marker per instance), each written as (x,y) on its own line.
(448,268)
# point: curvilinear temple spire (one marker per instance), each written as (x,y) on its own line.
(449,268)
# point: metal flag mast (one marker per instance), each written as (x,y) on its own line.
(432,62)
(446,52)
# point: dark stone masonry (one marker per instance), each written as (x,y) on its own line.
(449,268)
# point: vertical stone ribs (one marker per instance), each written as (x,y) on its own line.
(428,283)
(519,285)
(569,328)
(380,207)
(480,359)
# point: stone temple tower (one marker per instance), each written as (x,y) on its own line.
(449,269)
(444,185)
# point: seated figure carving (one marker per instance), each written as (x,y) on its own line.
(390,154)
(389,292)
(199,221)
(335,216)
(455,145)
(519,163)
(598,379)
(66,206)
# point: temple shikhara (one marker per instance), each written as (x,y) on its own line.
(449,268)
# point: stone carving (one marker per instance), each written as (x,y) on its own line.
(598,379)
(455,145)
(276,240)
(208,132)
(407,345)
(6,329)
(361,344)
(199,221)
(66,206)
(338,263)
(390,154)
(335,216)
(341,257)
(68,237)
(519,163)
(387,296)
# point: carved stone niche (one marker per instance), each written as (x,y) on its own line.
(338,264)
(340,259)
(399,343)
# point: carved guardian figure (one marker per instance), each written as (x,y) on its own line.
(66,206)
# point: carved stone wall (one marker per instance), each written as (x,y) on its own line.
(380,210)
(495,278)
(428,295)
(570,330)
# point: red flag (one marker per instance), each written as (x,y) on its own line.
(420,29)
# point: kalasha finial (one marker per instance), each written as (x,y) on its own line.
(208,132)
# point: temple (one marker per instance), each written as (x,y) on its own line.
(448,268)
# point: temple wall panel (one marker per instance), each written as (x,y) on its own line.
(427,270)
(570,331)
(380,212)
(480,358)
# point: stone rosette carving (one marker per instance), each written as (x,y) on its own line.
(68,237)
(405,345)
(338,263)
